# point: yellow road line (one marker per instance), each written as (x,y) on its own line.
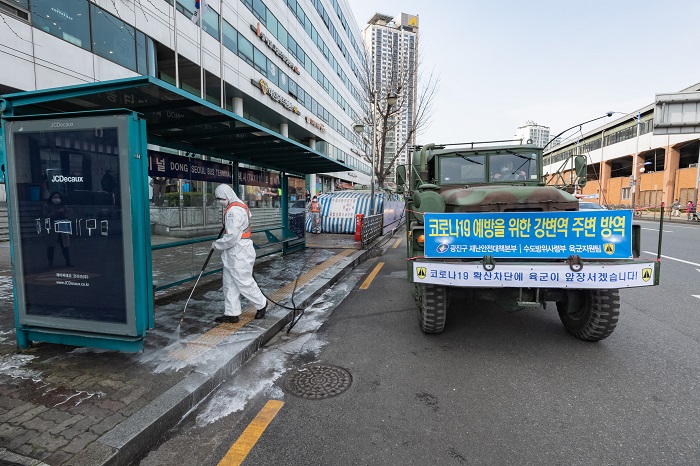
(251,434)
(369,279)
(396,244)
(202,343)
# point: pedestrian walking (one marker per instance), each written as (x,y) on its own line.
(676,209)
(238,257)
(159,185)
(690,209)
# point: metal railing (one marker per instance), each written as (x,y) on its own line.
(371,228)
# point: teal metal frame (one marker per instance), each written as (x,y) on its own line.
(200,127)
(138,279)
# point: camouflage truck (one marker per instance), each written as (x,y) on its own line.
(451,192)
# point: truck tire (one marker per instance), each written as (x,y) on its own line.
(590,315)
(432,308)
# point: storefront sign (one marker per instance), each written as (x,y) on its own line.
(316,124)
(177,166)
(272,46)
(276,96)
(250,177)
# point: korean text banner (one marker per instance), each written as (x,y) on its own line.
(605,234)
(177,166)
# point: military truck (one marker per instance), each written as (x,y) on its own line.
(467,207)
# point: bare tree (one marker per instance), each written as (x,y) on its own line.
(383,121)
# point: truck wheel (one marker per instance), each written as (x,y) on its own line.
(432,308)
(590,315)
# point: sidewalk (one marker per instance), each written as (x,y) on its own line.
(62,405)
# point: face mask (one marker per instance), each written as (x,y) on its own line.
(223,202)
(56,200)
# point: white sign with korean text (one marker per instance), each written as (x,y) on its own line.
(342,207)
(592,276)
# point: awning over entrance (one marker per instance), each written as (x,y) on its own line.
(179,120)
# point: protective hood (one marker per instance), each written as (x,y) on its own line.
(224,191)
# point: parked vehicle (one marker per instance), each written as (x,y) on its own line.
(586,205)
(468,207)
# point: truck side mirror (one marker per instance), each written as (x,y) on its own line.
(401,175)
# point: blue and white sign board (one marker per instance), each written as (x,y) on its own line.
(593,276)
(605,234)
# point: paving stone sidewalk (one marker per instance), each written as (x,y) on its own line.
(62,405)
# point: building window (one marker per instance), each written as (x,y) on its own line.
(245,49)
(284,83)
(112,38)
(15,8)
(260,11)
(66,19)
(211,23)
(230,37)
(260,61)
(273,72)
(625,193)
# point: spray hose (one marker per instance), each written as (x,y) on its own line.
(294,307)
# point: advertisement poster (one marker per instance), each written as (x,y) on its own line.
(342,207)
(604,234)
(70,207)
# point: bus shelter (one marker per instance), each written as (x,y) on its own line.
(105,209)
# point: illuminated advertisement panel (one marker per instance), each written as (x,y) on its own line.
(71,215)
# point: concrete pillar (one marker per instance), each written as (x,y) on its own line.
(605,173)
(312,185)
(671,162)
(284,130)
(238,106)
(312,178)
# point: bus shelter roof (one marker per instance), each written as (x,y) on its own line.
(178,120)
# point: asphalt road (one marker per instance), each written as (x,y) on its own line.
(494,388)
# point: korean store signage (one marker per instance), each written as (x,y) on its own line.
(532,235)
(316,124)
(276,96)
(250,177)
(177,166)
(272,46)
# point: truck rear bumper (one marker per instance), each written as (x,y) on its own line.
(597,276)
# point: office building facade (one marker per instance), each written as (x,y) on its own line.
(538,134)
(290,66)
(628,165)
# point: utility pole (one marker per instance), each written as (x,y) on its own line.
(635,161)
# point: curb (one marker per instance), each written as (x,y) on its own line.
(142,430)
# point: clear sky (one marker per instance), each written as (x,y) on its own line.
(555,62)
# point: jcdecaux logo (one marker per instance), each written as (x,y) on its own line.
(66,179)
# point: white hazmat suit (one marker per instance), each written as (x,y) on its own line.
(238,257)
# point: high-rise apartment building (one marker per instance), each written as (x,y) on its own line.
(538,134)
(393,50)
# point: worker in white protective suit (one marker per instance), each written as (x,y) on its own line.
(238,256)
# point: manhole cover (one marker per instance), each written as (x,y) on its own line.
(318,382)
